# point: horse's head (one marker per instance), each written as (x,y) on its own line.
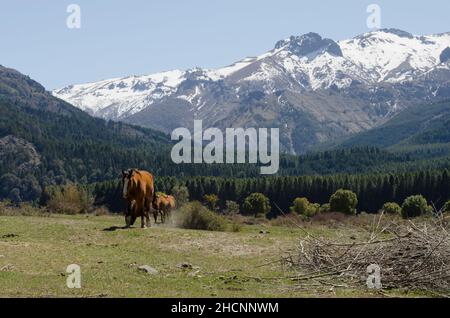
(127,182)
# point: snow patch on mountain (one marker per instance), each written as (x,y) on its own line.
(116,97)
(395,56)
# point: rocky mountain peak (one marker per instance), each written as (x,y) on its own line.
(309,43)
(399,33)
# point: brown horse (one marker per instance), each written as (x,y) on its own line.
(138,190)
(163,204)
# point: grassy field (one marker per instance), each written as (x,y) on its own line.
(36,250)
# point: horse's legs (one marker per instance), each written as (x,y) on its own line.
(141,209)
(129,213)
(155,215)
(163,216)
(147,212)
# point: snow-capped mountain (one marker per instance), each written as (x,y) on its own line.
(314,89)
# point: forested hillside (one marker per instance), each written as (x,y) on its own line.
(418,125)
(45,141)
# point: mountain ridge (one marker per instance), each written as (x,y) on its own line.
(417,125)
(335,88)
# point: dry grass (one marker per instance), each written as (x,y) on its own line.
(8,209)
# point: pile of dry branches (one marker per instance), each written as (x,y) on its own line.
(415,257)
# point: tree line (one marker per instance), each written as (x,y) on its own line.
(372,190)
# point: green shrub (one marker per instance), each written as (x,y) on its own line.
(446,208)
(211,201)
(344,201)
(392,208)
(256,204)
(312,210)
(325,208)
(195,216)
(415,206)
(300,206)
(232,207)
(181,195)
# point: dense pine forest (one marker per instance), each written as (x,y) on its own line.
(373,190)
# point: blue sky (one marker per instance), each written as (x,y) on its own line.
(121,38)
